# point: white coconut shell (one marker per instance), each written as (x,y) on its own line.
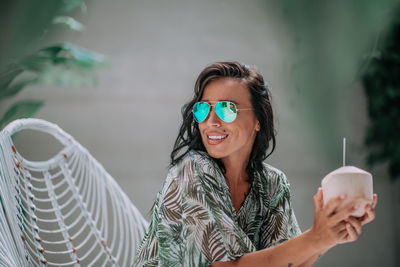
(352,181)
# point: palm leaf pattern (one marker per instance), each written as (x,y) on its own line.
(194,222)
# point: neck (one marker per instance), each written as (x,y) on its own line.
(235,171)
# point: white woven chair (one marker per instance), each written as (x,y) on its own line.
(66,211)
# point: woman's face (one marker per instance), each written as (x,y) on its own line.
(239,135)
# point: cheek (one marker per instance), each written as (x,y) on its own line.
(245,128)
(201,130)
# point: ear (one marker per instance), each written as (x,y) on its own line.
(257,126)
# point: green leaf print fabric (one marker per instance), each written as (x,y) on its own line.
(194,222)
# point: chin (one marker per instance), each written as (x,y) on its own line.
(215,153)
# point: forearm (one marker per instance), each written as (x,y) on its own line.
(290,253)
(311,261)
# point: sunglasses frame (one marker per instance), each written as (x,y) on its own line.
(213,105)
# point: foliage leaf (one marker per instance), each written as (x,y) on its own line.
(60,65)
(80,56)
(64,53)
(382,88)
(15,88)
(69,23)
(66,76)
(22,109)
(69,5)
(7,76)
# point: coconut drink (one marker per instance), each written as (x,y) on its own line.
(352,181)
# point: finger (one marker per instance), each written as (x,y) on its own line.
(345,212)
(317,202)
(333,203)
(374,200)
(352,232)
(364,219)
(356,224)
(320,198)
(368,216)
(343,235)
(339,227)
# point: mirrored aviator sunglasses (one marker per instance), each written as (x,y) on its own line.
(225,110)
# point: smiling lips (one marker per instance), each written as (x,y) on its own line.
(214,138)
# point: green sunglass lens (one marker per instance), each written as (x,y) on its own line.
(200,111)
(226,111)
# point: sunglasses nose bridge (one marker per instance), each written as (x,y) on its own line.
(212,117)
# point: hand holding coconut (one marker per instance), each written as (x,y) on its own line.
(344,204)
(329,227)
(333,221)
(354,224)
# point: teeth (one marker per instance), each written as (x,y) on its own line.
(217,137)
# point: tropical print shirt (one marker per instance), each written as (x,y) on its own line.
(194,222)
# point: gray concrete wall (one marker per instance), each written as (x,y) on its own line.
(157,48)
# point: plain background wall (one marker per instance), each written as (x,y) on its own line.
(130,121)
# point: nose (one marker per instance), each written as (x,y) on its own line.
(213,119)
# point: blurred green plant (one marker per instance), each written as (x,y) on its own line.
(331,39)
(382,87)
(64,64)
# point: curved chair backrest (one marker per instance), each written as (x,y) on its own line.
(66,211)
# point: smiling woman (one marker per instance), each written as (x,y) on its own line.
(238,135)
(221,204)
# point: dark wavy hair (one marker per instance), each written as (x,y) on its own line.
(189,137)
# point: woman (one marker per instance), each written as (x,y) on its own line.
(221,205)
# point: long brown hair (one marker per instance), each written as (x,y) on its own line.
(189,137)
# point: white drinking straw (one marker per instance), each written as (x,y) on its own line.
(344,151)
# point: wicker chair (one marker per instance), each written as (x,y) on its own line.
(66,211)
